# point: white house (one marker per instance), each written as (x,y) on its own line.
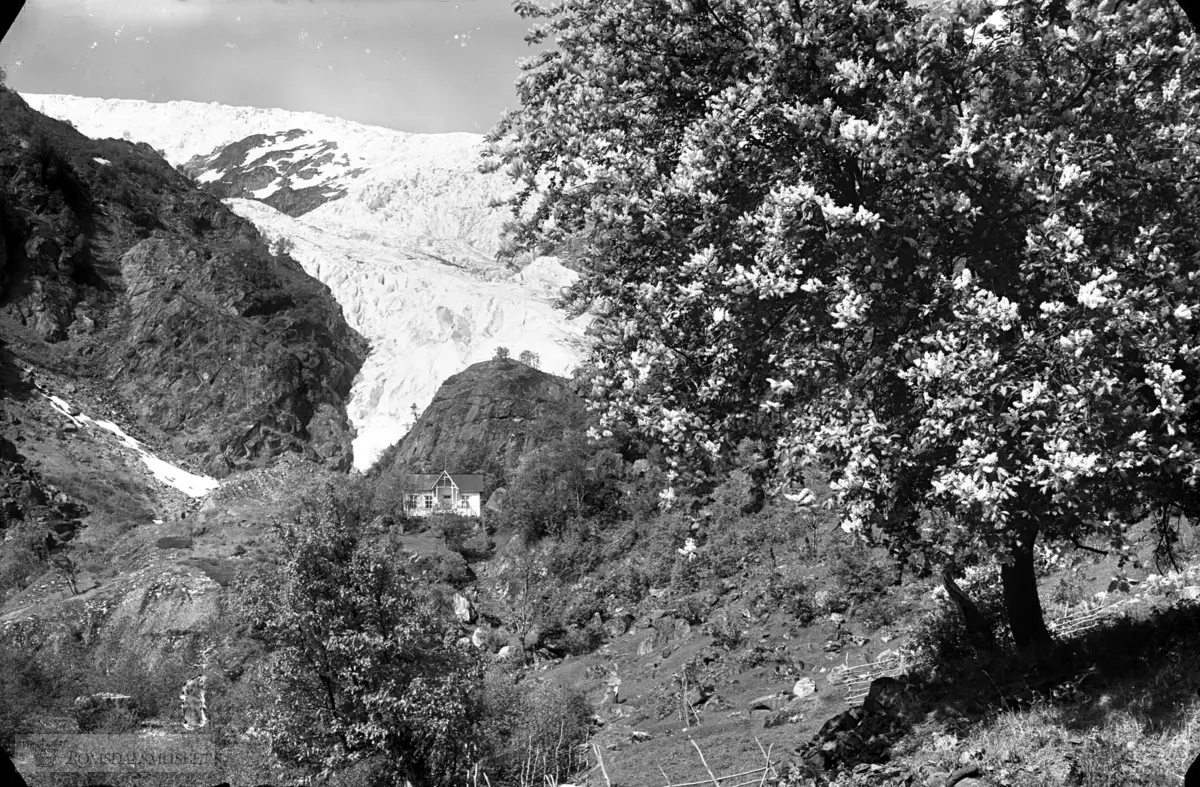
(443,493)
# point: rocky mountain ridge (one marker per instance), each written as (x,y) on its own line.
(116,270)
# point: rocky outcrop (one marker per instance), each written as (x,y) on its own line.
(274,175)
(487,416)
(863,735)
(116,269)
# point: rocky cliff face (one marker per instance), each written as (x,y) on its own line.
(483,418)
(117,271)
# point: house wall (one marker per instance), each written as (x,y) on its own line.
(473,507)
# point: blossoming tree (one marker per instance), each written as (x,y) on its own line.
(952,257)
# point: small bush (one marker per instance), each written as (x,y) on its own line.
(32,683)
(827,601)
(581,640)
(860,574)
(693,610)
(940,638)
(94,714)
(532,737)
(23,556)
(725,631)
(1068,592)
(790,593)
(154,687)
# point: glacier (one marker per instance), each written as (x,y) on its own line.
(401,227)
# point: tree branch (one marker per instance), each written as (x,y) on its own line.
(1078,545)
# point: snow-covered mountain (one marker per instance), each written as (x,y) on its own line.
(398,225)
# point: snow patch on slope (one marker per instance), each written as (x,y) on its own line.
(189,483)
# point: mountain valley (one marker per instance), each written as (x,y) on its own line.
(399,226)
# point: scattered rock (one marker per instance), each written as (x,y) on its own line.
(618,625)
(463,609)
(804,687)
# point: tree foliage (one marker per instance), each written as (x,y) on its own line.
(561,482)
(364,666)
(952,257)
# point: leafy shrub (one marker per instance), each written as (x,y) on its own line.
(941,638)
(454,529)
(154,687)
(860,574)
(532,737)
(826,601)
(580,640)
(1068,591)
(789,592)
(363,663)
(32,682)
(93,714)
(692,609)
(725,631)
(23,556)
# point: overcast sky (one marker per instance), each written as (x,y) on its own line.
(413,65)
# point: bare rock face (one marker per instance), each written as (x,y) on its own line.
(486,416)
(244,172)
(117,271)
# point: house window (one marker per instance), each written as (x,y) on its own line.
(428,501)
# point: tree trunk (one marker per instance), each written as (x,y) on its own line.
(978,627)
(1021,601)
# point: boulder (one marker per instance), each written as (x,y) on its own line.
(891,696)
(618,624)
(495,501)
(804,687)
(463,610)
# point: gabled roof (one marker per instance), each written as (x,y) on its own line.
(425,482)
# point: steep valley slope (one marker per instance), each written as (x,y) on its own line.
(150,344)
(114,268)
